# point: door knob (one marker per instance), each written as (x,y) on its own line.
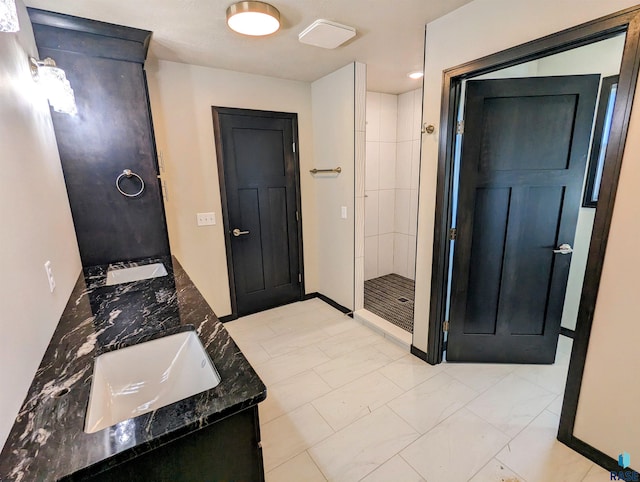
(237,232)
(563,249)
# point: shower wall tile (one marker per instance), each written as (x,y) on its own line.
(386,211)
(404,161)
(372,166)
(392,163)
(370,257)
(387,173)
(371,213)
(373,116)
(402,211)
(405,117)
(388,117)
(385,254)
(400,254)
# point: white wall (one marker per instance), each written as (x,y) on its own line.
(608,413)
(333,100)
(392,166)
(37,224)
(181,99)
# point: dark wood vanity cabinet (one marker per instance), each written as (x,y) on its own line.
(226,450)
(111,132)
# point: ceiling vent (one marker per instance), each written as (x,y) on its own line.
(326,34)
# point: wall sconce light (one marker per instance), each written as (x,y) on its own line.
(55,84)
(8,16)
(253,18)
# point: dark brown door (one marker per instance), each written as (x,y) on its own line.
(524,152)
(259,179)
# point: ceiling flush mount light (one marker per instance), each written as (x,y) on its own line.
(55,84)
(326,34)
(415,75)
(8,16)
(253,18)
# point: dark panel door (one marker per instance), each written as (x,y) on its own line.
(523,160)
(257,162)
(111,132)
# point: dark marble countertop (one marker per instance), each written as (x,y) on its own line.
(48,441)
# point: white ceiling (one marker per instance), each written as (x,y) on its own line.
(390,35)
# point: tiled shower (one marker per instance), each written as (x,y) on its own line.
(391,196)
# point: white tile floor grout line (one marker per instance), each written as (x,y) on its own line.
(354,400)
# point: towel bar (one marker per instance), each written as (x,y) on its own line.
(317,171)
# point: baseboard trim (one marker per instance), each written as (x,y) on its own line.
(308,296)
(593,454)
(329,301)
(567,332)
(419,353)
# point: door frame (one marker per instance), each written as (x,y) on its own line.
(599,29)
(291,116)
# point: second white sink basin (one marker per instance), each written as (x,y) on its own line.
(144,377)
(135,273)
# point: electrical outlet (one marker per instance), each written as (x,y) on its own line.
(206,219)
(49,271)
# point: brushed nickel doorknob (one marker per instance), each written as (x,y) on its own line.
(564,249)
(237,232)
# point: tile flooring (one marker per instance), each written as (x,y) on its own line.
(346,404)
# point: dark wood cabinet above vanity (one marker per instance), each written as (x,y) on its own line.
(111,132)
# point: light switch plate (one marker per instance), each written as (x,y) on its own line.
(343,212)
(206,219)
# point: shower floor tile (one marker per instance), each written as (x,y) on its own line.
(391,297)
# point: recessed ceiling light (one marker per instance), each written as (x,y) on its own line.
(253,18)
(415,75)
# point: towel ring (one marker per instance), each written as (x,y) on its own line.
(128,173)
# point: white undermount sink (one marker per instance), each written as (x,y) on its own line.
(136,273)
(142,378)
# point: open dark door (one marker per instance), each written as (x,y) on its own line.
(524,152)
(259,172)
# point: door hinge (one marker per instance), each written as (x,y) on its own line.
(445,326)
(294,147)
(453,234)
(460,127)
(299,277)
(297,216)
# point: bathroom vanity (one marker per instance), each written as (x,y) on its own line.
(212,435)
